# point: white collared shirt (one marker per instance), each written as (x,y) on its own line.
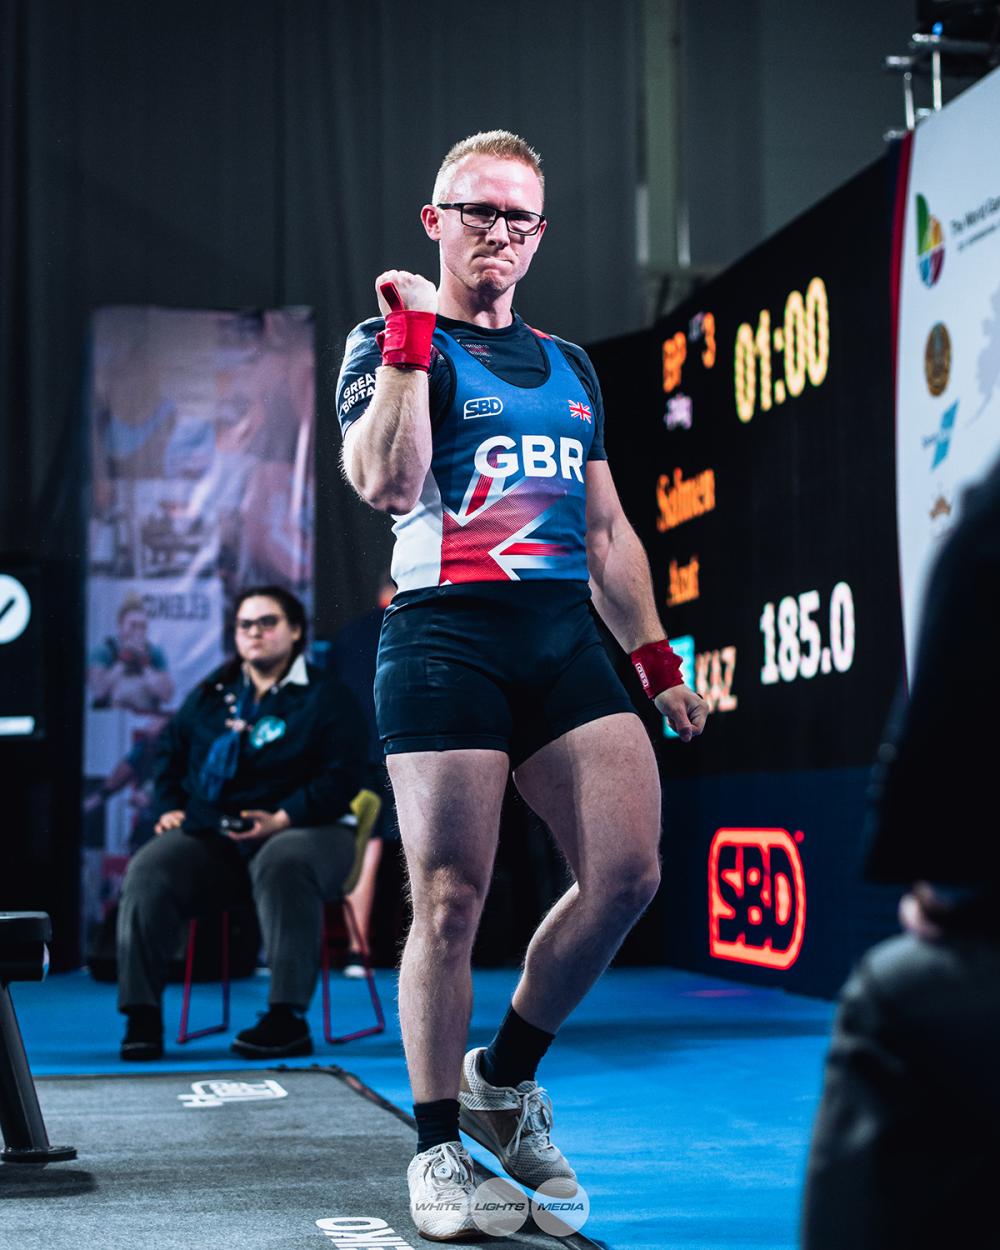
(297,675)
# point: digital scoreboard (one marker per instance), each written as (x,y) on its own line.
(750,434)
(751,437)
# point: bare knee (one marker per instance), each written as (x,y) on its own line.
(446,910)
(633,884)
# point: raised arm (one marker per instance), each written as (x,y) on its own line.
(387,451)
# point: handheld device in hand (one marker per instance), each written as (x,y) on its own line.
(234,824)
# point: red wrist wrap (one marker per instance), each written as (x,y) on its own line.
(658,666)
(406,340)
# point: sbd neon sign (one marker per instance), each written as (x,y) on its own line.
(756,897)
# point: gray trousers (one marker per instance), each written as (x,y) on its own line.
(906,1144)
(178,876)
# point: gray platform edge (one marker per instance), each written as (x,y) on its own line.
(578,1241)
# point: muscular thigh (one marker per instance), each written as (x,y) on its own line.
(448,806)
(598,790)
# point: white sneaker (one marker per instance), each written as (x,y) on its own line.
(514,1123)
(442,1185)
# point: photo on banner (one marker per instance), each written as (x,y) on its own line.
(202,429)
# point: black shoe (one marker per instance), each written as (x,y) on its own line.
(143,1038)
(277,1034)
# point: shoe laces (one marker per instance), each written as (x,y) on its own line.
(445,1165)
(535,1119)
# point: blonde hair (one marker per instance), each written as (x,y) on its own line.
(133,602)
(503,144)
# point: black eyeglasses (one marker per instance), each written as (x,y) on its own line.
(483,217)
(264,623)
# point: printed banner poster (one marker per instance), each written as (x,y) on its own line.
(948,373)
(202,427)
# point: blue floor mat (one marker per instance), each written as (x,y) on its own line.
(685,1103)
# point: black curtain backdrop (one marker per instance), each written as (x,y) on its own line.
(261,153)
(277,152)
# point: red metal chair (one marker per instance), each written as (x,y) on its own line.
(366,806)
(183,1035)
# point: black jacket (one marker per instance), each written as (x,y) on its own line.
(312,770)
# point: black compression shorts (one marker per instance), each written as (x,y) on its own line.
(506,667)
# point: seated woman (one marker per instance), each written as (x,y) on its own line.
(254,780)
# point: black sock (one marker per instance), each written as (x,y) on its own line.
(515,1053)
(437,1122)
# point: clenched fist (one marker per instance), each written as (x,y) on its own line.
(416,292)
(685,710)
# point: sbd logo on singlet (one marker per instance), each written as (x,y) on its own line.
(756,897)
(487,406)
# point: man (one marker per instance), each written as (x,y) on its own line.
(484,439)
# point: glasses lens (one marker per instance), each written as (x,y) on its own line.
(479,216)
(245,624)
(523,222)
